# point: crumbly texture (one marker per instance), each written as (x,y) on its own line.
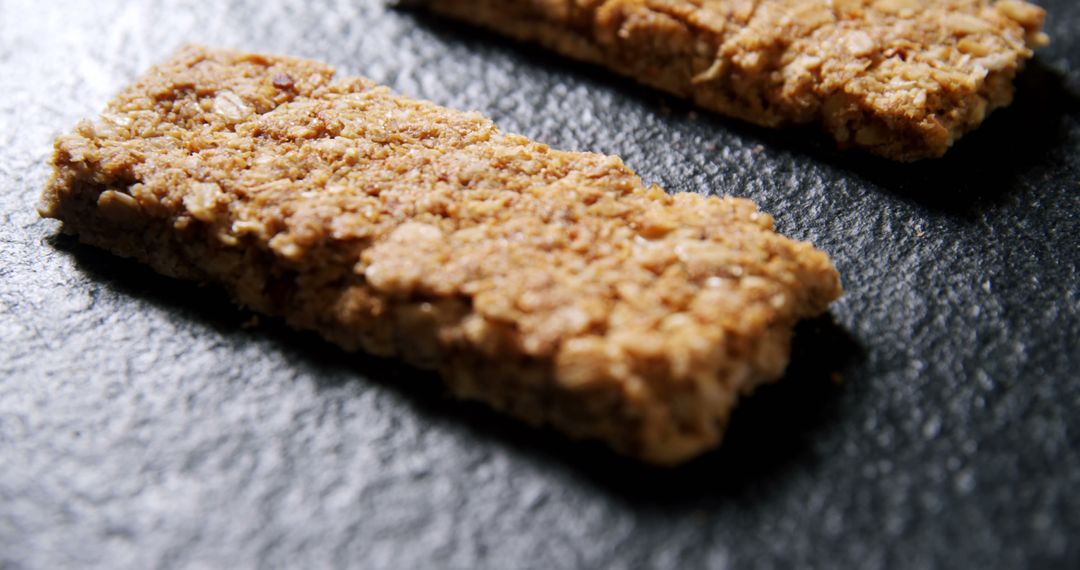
(552,285)
(900,78)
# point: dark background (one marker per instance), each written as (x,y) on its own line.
(147,423)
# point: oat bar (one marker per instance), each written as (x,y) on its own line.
(552,285)
(900,78)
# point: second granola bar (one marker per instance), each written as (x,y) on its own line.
(900,78)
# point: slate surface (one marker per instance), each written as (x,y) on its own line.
(142,425)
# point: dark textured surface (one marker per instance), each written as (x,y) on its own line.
(142,425)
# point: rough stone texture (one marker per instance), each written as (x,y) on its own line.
(142,427)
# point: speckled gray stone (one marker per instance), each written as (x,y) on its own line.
(142,425)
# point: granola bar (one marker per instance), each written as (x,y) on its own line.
(900,78)
(552,285)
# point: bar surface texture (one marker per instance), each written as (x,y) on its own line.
(552,285)
(902,79)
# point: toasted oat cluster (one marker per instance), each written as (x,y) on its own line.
(552,285)
(900,78)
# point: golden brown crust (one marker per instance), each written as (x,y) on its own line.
(901,78)
(549,284)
